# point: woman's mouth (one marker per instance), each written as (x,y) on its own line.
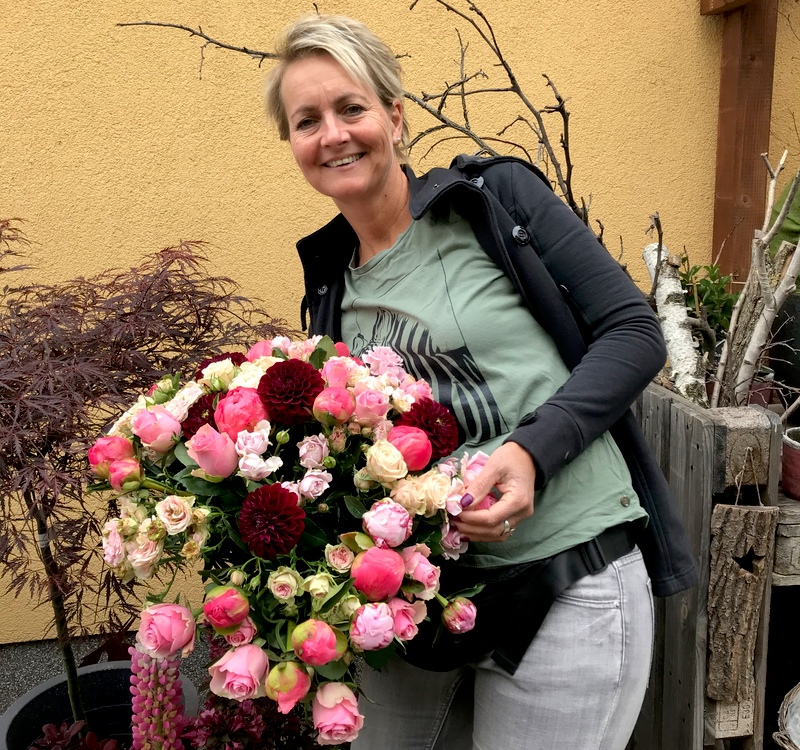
(342,162)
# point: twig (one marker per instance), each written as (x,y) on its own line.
(655,225)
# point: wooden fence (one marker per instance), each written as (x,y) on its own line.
(709,456)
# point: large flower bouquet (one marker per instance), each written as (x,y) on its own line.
(307,482)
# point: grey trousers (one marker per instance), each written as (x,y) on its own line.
(579,686)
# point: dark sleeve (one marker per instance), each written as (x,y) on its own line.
(626,346)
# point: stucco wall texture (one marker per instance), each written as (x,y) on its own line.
(114,145)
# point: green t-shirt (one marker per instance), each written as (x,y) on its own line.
(441,303)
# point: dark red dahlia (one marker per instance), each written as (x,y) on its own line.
(288,390)
(200,412)
(236,357)
(270,521)
(436,422)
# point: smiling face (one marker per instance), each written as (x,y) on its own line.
(341,135)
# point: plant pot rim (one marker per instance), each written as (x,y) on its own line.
(792,437)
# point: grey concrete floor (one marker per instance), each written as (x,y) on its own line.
(25,665)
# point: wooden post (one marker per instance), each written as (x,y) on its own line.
(745,106)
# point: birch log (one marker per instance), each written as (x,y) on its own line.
(686,362)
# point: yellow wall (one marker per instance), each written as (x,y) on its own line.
(113,146)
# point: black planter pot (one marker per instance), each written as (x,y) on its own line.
(105,689)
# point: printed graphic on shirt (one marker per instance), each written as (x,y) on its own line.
(454,375)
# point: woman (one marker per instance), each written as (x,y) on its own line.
(490,288)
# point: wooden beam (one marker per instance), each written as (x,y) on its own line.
(745,107)
(714,7)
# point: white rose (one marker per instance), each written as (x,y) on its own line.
(256,468)
(318,585)
(218,375)
(249,374)
(183,400)
(256,441)
(385,463)
(284,583)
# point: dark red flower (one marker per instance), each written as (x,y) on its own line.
(236,357)
(200,412)
(437,422)
(288,390)
(271,521)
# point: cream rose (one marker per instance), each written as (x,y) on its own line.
(385,463)
(175,513)
(318,585)
(409,494)
(284,583)
(435,488)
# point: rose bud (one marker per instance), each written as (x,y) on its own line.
(125,475)
(239,411)
(378,573)
(459,615)
(239,675)
(334,406)
(165,629)
(156,428)
(406,617)
(106,450)
(287,683)
(422,570)
(243,634)
(214,453)
(342,349)
(317,643)
(225,608)
(372,627)
(388,523)
(414,444)
(335,714)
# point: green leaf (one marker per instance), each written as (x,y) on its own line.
(355,506)
(333,670)
(195,485)
(378,659)
(324,350)
(313,535)
(182,454)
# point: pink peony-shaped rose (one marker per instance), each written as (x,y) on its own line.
(406,617)
(418,567)
(156,428)
(388,523)
(459,615)
(113,554)
(106,450)
(335,714)
(317,643)
(336,372)
(225,608)
(372,627)
(239,675)
(384,360)
(214,452)
(288,683)
(165,629)
(334,406)
(239,410)
(243,634)
(414,444)
(125,475)
(378,573)
(371,407)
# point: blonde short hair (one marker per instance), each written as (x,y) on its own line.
(363,56)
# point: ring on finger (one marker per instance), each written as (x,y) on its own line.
(506,528)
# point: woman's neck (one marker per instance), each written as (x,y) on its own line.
(380,221)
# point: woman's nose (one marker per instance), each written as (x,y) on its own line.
(333,132)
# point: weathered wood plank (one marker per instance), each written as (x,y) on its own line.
(743,459)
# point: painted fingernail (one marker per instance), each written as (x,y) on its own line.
(466,500)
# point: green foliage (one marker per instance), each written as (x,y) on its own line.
(709,301)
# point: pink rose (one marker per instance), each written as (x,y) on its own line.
(239,675)
(453,543)
(258,350)
(156,428)
(288,683)
(470,468)
(165,629)
(125,475)
(106,450)
(342,349)
(255,441)
(418,567)
(416,389)
(317,643)
(371,407)
(143,555)
(414,444)
(214,453)
(303,349)
(340,557)
(388,523)
(225,608)
(383,360)
(240,410)
(378,573)
(334,406)
(313,450)
(314,484)
(243,634)
(406,617)
(113,553)
(336,371)
(372,627)
(335,714)
(459,615)
(175,513)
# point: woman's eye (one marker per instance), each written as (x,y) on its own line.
(303,124)
(353,109)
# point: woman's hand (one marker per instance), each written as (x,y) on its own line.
(511,470)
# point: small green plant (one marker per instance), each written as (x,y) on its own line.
(709,302)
